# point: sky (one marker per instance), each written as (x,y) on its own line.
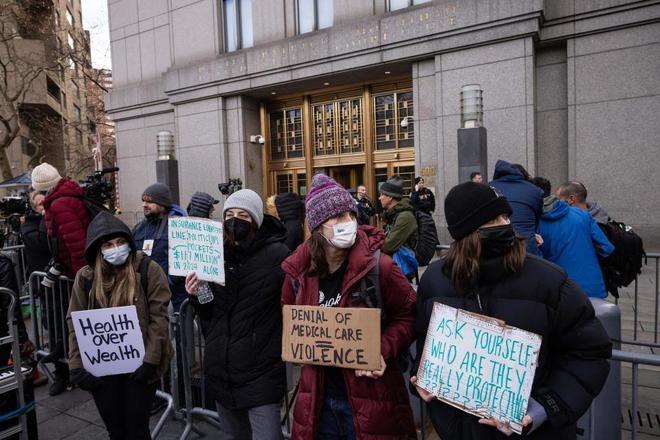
(95,20)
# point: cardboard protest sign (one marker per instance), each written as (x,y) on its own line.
(110,340)
(332,336)
(479,364)
(196,245)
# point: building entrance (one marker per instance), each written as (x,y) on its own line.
(357,135)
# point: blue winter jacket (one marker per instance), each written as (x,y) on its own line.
(156,229)
(525,198)
(573,240)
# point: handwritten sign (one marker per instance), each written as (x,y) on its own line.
(479,364)
(109,340)
(332,336)
(196,245)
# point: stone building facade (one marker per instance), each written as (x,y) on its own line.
(571,90)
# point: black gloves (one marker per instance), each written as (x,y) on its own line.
(84,380)
(145,373)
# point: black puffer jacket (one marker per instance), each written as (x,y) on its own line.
(243,343)
(8,280)
(35,239)
(291,210)
(572,365)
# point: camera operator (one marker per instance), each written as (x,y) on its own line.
(66,220)
(34,234)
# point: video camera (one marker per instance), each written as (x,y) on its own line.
(15,205)
(230,187)
(97,187)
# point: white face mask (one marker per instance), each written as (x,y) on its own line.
(117,255)
(344,234)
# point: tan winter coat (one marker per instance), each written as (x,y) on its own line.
(151,310)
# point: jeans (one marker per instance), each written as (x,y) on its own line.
(260,422)
(336,422)
(125,407)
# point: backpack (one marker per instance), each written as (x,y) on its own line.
(625,263)
(143,270)
(427,238)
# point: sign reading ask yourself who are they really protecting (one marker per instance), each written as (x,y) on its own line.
(479,364)
(195,245)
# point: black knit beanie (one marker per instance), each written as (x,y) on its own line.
(393,187)
(470,205)
(158,193)
(200,204)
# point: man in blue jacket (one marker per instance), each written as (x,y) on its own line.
(573,240)
(151,237)
(525,198)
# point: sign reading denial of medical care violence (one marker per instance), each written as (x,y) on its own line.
(332,336)
(195,245)
(110,340)
(479,364)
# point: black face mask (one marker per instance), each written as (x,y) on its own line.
(238,228)
(497,240)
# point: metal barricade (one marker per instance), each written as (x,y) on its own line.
(48,308)
(192,361)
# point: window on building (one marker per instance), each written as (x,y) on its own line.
(75,88)
(393,5)
(69,17)
(286,134)
(312,15)
(79,136)
(71,41)
(76,112)
(338,127)
(238,24)
(390,110)
(53,89)
(64,104)
(27,147)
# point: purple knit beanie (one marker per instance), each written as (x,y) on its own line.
(325,200)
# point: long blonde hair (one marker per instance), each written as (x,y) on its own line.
(123,288)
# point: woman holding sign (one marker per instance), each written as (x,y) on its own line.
(488,272)
(243,364)
(341,266)
(117,276)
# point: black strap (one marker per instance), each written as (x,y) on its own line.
(370,292)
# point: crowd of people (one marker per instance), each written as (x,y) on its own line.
(519,254)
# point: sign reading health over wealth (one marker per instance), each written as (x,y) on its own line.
(479,364)
(332,336)
(195,245)
(109,340)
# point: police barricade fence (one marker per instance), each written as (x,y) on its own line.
(199,403)
(48,308)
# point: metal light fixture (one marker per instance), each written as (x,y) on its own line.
(165,143)
(257,139)
(472,108)
(406,121)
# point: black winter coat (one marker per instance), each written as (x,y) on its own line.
(35,239)
(291,211)
(8,280)
(243,362)
(572,364)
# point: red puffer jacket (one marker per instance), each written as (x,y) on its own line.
(381,409)
(67,219)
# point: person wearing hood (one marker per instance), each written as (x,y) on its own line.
(66,217)
(114,278)
(399,216)
(151,234)
(243,363)
(291,212)
(328,271)
(488,271)
(525,198)
(201,205)
(573,240)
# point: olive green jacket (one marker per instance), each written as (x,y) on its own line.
(401,228)
(151,307)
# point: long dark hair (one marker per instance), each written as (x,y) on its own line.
(462,260)
(318,264)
